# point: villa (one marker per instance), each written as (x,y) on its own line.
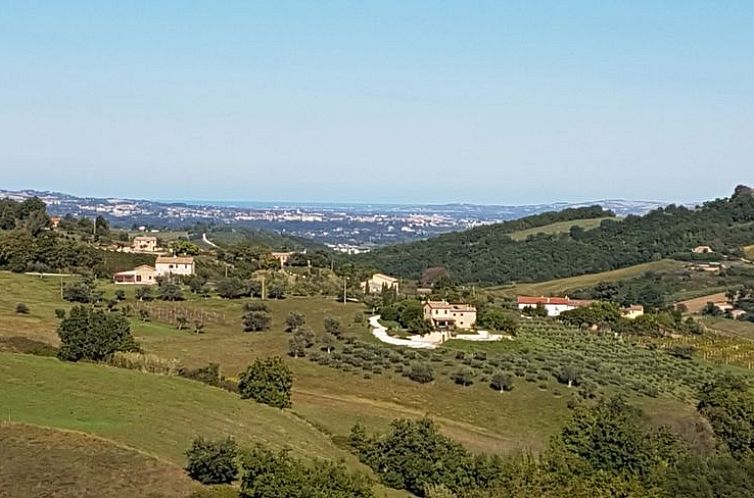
(446,316)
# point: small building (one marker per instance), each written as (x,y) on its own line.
(702,250)
(632,312)
(282,257)
(174,265)
(55,222)
(141,275)
(379,281)
(446,316)
(144,244)
(553,305)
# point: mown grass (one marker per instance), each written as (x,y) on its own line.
(559,227)
(40,461)
(563,285)
(159,415)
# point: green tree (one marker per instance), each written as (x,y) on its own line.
(294,321)
(91,334)
(170,291)
(231,288)
(267,381)
(212,462)
(502,381)
(421,372)
(144,293)
(256,321)
(464,376)
(22,309)
(728,404)
(332,326)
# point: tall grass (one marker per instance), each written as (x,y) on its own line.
(145,363)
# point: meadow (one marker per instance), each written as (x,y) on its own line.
(559,227)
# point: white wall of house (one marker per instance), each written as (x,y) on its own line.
(552,309)
(164,269)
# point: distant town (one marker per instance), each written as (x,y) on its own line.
(348,228)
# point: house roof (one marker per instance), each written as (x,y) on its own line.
(145,238)
(444,305)
(180,260)
(633,307)
(385,277)
(533,301)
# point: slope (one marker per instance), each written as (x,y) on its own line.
(489,255)
(158,415)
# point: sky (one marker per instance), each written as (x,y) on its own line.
(499,102)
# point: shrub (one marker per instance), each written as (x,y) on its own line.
(267,381)
(332,326)
(420,372)
(22,309)
(502,381)
(208,375)
(212,462)
(144,362)
(463,376)
(255,321)
(294,321)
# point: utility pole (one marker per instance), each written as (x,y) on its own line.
(345,292)
(263,289)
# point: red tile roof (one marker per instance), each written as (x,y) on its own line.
(533,301)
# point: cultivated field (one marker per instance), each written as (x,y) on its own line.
(563,285)
(559,227)
(697,304)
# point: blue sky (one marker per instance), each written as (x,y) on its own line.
(405,101)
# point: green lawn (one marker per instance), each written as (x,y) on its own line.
(559,227)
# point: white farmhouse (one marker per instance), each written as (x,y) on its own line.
(445,316)
(378,281)
(553,305)
(174,265)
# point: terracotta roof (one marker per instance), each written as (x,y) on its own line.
(180,260)
(533,301)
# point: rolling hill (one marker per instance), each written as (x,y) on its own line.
(490,255)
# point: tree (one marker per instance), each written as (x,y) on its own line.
(120,295)
(329,342)
(231,288)
(82,291)
(22,309)
(182,321)
(502,381)
(294,321)
(198,327)
(297,346)
(212,462)
(267,381)
(276,290)
(91,334)
(464,376)
(568,374)
(170,291)
(143,293)
(332,326)
(728,404)
(421,372)
(185,248)
(498,320)
(256,321)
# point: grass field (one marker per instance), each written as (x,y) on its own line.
(559,227)
(733,328)
(40,462)
(696,304)
(159,415)
(563,285)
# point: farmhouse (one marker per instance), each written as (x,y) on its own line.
(378,281)
(174,265)
(141,275)
(443,315)
(702,250)
(633,311)
(144,244)
(553,305)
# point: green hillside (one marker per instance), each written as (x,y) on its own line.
(156,414)
(559,227)
(489,255)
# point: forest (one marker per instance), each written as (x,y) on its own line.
(488,255)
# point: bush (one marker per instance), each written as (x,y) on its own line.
(22,309)
(420,372)
(144,362)
(208,375)
(267,381)
(332,326)
(255,321)
(502,381)
(212,462)
(463,376)
(91,334)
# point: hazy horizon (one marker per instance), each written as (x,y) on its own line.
(389,102)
